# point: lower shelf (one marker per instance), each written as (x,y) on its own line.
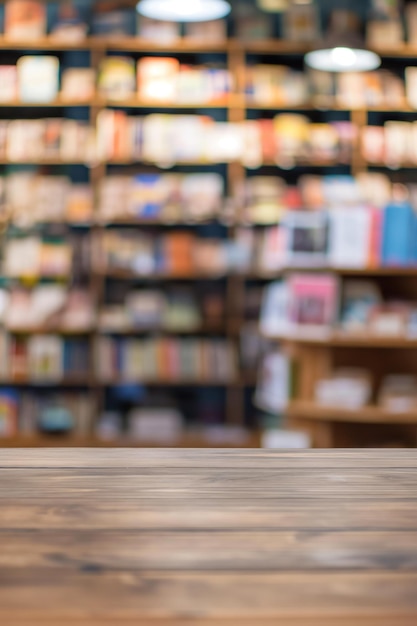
(187,441)
(367,414)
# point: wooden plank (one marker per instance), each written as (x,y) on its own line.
(223,551)
(208,538)
(271,460)
(119,594)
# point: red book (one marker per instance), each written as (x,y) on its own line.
(375,238)
(19,360)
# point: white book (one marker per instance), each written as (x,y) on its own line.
(272,391)
(411,86)
(275,310)
(46,357)
(38,78)
(350,237)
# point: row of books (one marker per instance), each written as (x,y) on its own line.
(168,139)
(36,80)
(52,307)
(28,414)
(180,253)
(56,308)
(353,388)
(165,197)
(165,359)
(30,197)
(153,309)
(47,139)
(282,86)
(315,304)
(62,256)
(163,139)
(264,199)
(43,358)
(164,80)
(392,144)
(356,237)
(28,19)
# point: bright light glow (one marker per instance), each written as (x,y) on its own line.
(184,10)
(343,59)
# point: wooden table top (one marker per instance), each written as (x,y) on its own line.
(204,538)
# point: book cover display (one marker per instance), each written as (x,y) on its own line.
(38,78)
(117,80)
(25,20)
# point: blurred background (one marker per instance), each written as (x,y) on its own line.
(208,233)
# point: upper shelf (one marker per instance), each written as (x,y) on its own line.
(186,45)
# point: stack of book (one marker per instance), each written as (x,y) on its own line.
(180,253)
(163,80)
(32,257)
(27,141)
(161,197)
(169,139)
(331,221)
(316,304)
(44,359)
(29,414)
(198,360)
(30,198)
(392,145)
(276,85)
(51,307)
(153,309)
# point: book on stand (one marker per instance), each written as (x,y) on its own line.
(25,20)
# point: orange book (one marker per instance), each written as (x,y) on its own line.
(158,79)
(268,141)
(121,141)
(179,253)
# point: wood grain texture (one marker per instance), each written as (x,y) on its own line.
(204,538)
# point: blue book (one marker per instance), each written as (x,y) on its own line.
(399,235)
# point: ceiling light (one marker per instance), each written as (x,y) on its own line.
(184,10)
(343,59)
(343,48)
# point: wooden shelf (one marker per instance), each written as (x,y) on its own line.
(68,441)
(367,414)
(46,105)
(47,43)
(49,331)
(179,46)
(342,271)
(185,382)
(186,45)
(347,340)
(78,381)
(233,101)
(199,330)
(121,274)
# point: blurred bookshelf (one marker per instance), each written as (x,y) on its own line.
(160,210)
